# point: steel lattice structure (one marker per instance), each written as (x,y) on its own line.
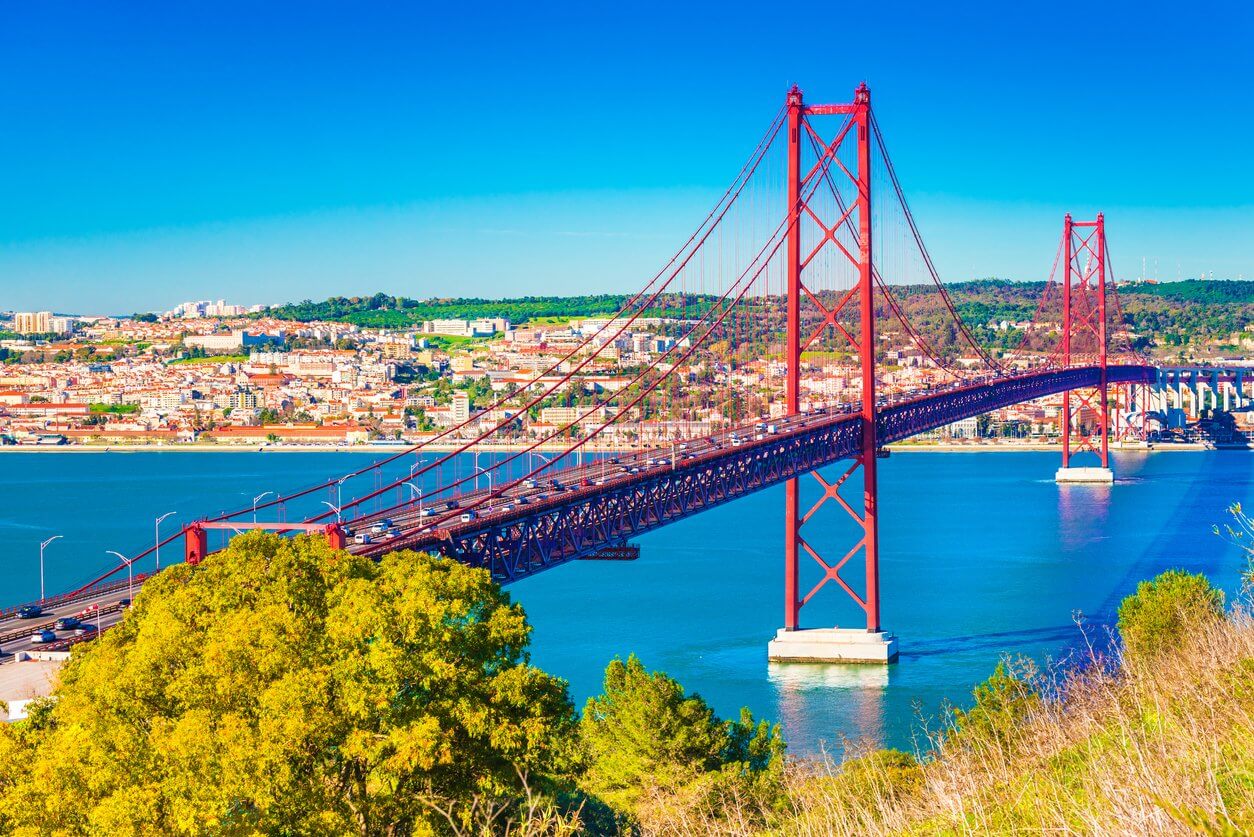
(576,524)
(1084,320)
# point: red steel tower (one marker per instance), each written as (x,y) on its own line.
(1084,342)
(849,233)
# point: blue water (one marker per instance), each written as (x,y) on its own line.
(982,555)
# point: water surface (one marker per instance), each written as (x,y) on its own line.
(982,554)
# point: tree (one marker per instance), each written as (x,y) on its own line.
(645,732)
(1165,609)
(283,687)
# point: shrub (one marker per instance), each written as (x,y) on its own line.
(1164,610)
(1001,703)
(881,774)
(645,737)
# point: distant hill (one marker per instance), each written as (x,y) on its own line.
(1197,290)
(1173,313)
(384,311)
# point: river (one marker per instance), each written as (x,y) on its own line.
(982,555)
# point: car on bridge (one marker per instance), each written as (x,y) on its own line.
(43,636)
(85,629)
(66,623)
(30,612)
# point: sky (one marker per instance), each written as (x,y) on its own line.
(267,152)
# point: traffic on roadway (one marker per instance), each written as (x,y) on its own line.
(55,628)
(371,533)
(58,625)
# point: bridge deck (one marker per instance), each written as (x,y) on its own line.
(576,511)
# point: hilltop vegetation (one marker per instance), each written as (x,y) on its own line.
(384,311)
(1167,315)
(1240,292)
(284,688)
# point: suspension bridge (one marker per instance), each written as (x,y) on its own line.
(780,334)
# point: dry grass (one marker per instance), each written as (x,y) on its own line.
(1124,748)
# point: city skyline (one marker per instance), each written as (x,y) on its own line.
(290,153)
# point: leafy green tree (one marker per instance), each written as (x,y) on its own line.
(645,732)
(282,687)
(1002,702)
(1165,609)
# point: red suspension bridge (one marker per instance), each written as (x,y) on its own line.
(782,338)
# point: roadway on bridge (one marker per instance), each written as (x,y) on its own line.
(422,524)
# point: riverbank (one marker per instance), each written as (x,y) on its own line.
(197,447)
(201,447)
(1011,447)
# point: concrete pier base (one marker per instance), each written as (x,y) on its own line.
(832,645)
(1103,476)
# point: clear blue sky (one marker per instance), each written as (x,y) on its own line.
(265,152)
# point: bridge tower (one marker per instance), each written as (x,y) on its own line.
(791,642)
(1084,339)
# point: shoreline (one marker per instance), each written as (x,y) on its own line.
(899,447)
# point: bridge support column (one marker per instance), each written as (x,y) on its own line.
(792,643)
(1084,315)
(195,544)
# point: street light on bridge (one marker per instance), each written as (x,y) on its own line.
(130,578)
(255,499)
(333,508)
(156,536)
(417,491)
(42,546)
(339,497)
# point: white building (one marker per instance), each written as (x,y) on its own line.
(461,407)
(466,328)
(41,322)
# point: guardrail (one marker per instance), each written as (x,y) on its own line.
(79,595)
(35,627)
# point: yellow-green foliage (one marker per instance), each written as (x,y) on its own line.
(1165,609)
(282,687)
(1002,702)
(646,740)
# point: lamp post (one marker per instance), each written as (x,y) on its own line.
(339,499)
(487,474)
(42,546)
(417,491)
(130,578)
(333,508)
(414,467)
(255,499)
(156,535)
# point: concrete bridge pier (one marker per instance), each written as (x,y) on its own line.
(1093,475)
(832,645)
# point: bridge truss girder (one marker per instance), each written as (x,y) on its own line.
(574,524)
